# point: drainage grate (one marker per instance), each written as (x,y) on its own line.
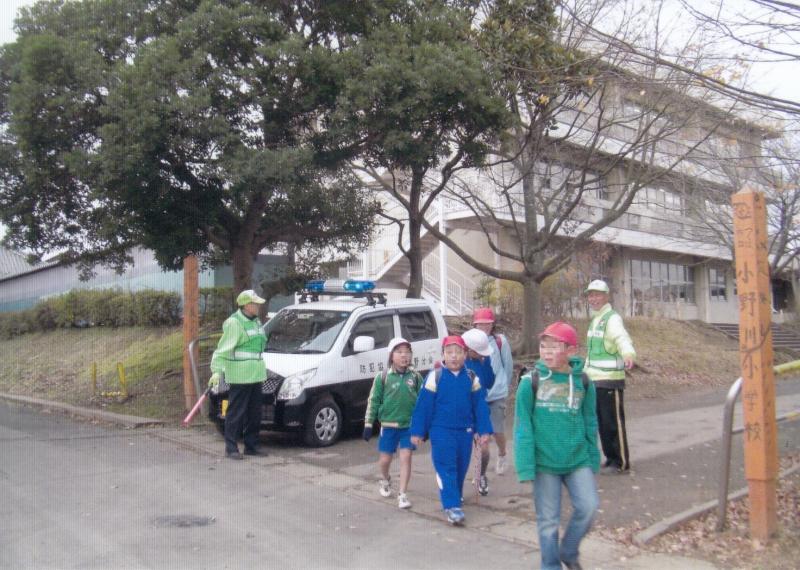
(182,521)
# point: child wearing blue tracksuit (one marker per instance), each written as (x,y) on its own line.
(451,410)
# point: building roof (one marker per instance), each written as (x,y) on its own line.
(12,263)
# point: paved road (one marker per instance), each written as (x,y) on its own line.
(76,495)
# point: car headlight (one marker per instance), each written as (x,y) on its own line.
(294,384)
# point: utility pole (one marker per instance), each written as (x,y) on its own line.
(191,325)
(755,354)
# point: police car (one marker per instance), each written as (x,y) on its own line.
(323,353)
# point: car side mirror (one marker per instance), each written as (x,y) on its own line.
(363,344)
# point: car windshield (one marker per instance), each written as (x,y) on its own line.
(304,331)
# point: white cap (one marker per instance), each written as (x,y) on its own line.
(598,285)
(395,342)
(476,340)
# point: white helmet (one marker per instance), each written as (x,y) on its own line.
(477,340)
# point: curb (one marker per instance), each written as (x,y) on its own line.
(666,525)
(130,422)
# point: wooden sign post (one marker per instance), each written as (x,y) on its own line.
(755,353)
(191,325)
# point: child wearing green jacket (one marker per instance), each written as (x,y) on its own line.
(392,400)
(555,444)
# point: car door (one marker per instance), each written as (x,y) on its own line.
(361,368)
(418,326)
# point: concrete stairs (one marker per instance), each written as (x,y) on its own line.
(783,339)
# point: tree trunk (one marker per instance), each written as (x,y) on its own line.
(242,262)
(414,256)
(531,316)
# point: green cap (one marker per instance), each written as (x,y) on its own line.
(248,296)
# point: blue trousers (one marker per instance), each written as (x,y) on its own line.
(243,417)
(451,450)
(547,497)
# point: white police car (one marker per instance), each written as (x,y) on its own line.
(322,356)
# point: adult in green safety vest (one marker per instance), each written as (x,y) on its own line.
(609,354)
(238,357)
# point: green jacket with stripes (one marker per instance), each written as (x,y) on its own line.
(238,354)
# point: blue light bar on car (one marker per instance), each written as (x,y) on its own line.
(358,286)
(317,285)
(337,285)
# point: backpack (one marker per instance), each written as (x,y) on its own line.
(535,381)
(438,374)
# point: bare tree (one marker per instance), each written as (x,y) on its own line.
(776,173)
(599,128)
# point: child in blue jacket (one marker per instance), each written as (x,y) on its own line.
(450,410)
(479,360)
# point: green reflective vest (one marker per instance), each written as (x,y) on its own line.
(238,354)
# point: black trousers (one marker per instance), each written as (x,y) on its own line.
(611,421)
(243,417)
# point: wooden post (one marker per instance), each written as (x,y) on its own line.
(191,325)
(755,353)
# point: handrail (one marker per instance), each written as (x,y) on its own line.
(193,364)
(727,435)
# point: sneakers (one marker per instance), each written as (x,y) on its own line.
(575,565)
(483,486)
(385,488)
(502,464)
(612,470)
(455,516)
(403,502)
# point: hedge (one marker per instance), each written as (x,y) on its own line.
(84,308)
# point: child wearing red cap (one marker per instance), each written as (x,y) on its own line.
(555,444)
(497,393)
(450,409)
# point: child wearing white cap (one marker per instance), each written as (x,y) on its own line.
(391,401)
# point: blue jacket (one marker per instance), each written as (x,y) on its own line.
(455,401)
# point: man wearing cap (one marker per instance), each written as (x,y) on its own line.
(609,353)
(238,358)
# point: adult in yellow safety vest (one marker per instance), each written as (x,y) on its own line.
(238,356)
(609,354)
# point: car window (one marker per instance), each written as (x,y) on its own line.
(304,331)
(381,328)
(418,325)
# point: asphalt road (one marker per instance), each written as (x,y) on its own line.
(77,495)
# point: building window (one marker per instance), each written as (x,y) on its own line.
(661,282)
(661,201)
(717,284)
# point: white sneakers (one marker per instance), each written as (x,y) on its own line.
(403,502)
(502,464)
(385,489)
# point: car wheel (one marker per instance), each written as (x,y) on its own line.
(323,423)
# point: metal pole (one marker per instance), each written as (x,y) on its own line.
(725,465)
(193,366)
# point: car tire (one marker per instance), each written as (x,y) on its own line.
(324,423)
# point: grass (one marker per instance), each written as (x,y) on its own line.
(57,366)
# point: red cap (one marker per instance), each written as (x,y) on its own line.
(482,316)
(561,331)
(454,339)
